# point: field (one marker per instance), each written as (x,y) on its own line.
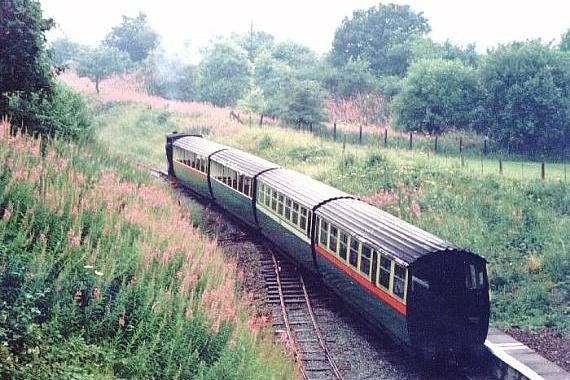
(104,274)
(519,223)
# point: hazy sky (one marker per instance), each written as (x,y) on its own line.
(185,26)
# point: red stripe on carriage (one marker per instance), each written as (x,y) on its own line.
(387,298)
(191,170)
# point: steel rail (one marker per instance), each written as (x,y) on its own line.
(328,355)
(286,318)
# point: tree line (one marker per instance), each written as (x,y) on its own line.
(516,94)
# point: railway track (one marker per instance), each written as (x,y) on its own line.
(296,322)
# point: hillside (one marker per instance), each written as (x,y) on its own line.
(103,274)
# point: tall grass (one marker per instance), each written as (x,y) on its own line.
(103,275)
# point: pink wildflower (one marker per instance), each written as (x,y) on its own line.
(7,215)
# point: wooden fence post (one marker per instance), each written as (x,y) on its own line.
(435,148)
(360,135)
(385,137)
(542,169)
(500,166)
(334,131)
(485,146)
(261,120)
(461,151)
(343,145)
(410,140)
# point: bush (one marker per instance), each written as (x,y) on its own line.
(64,114)
(527,97)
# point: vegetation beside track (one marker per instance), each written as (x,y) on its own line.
(520,224)
(104,275)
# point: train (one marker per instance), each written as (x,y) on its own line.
(428,294)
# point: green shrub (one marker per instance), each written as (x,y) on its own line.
(64,114)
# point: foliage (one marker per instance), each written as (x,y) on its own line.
(426,48)
(24,65)
(437,95)
(134,36)
(380,35)
(65,52)
(294,55)
(304,104)
(565,41)
(275,79)
(102,62)
(253,101)
(254,42)
(350,79)
(527,97)
(224,73)
(64,114)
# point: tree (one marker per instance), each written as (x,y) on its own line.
(101,63)
(24,65)
(349,80)
(253,102)
(565,41)
(381,36)
(304,104)
(224,73)
(295,55)
(274,78)
(253,42)
(437,94)
(65,52)
(426,48)
(527,97)
(134,36)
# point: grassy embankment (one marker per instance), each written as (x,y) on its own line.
(520,224)
(104,275)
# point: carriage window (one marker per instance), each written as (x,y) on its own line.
(365,257)
(280,204)
(235,180)
(295,217)
(288,209)
(474,278)
(274,200)
(303,223)
(385,264)
(399,280)
(240,183)
(309,222)
(353,259)
(324,233)
(267,196)
(333,239)
(343,245)
(261,194)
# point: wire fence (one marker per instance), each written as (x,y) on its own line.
(468,151)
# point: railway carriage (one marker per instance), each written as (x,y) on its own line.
(429,294)
(232,176)
(286,202)
(189,161)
